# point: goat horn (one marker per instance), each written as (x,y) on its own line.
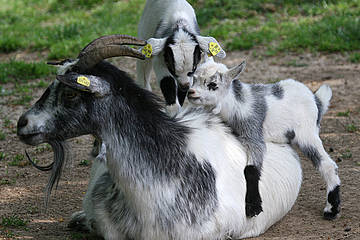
(59,62)
(115,39)
(92,57)
(41,168)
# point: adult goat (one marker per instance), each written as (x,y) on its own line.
(163,178)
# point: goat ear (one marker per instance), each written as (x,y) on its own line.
(234,72)
(153,47)
(211,46)
(88,83)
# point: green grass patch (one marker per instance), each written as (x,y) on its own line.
(330,33)
(346,155)
(2,156)
(2,135)
(343,114)
(7,123)
(6,181)
(351,128)
(13,221)
(8,234)
(282,25)
(84,162)
(42,148)
(355,57)
(19,71)
(18,160)
(64,27)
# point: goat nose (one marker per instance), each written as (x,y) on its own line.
(185,86)
(191,91)
(23,121)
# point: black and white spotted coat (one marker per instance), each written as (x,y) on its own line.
(283,112)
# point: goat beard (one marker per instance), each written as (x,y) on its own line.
(56,167)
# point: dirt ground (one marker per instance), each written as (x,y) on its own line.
(21,187)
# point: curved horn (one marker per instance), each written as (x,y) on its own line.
(115,39)
(92,57)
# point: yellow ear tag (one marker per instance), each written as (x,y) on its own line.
(214,48)
(83,81)
(147,50)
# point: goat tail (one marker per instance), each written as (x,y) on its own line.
(323,94)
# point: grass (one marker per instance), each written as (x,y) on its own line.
(42,148)
(2,156)
(343,114)
(13,221)
(84,162)
(2,135)
(20,71)
(7,181)
(8,234)
(18,160)
(351,128)
(7,123)
(346,155)
(63,27)
(355,57)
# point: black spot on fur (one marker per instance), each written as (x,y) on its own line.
(277,91)
(252,199)
(290,135)
(168,89)
(237,89)
(320,110)
(181,93)
(258,89)
(312,153)
(196,199)
(197,57)
(169,60)
(334,200)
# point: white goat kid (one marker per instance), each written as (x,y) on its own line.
(284,112)
(176,46)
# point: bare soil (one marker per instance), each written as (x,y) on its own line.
(21,186)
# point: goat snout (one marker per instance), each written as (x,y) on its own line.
(191,91)
(23,121)
(184,86)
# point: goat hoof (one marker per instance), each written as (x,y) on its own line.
(78,222)
(253,210)
(331,215)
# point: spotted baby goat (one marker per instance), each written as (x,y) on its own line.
(174,36)
(163,178)
(284,112)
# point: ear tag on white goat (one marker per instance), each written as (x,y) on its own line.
(214,48)
(147,50)
(83,81)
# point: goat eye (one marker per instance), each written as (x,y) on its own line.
(212,86)
(69,95)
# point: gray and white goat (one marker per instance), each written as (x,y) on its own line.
(284,112)
(163,178)
(171,28)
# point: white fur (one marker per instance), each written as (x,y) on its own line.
(279,186)
(62,69)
